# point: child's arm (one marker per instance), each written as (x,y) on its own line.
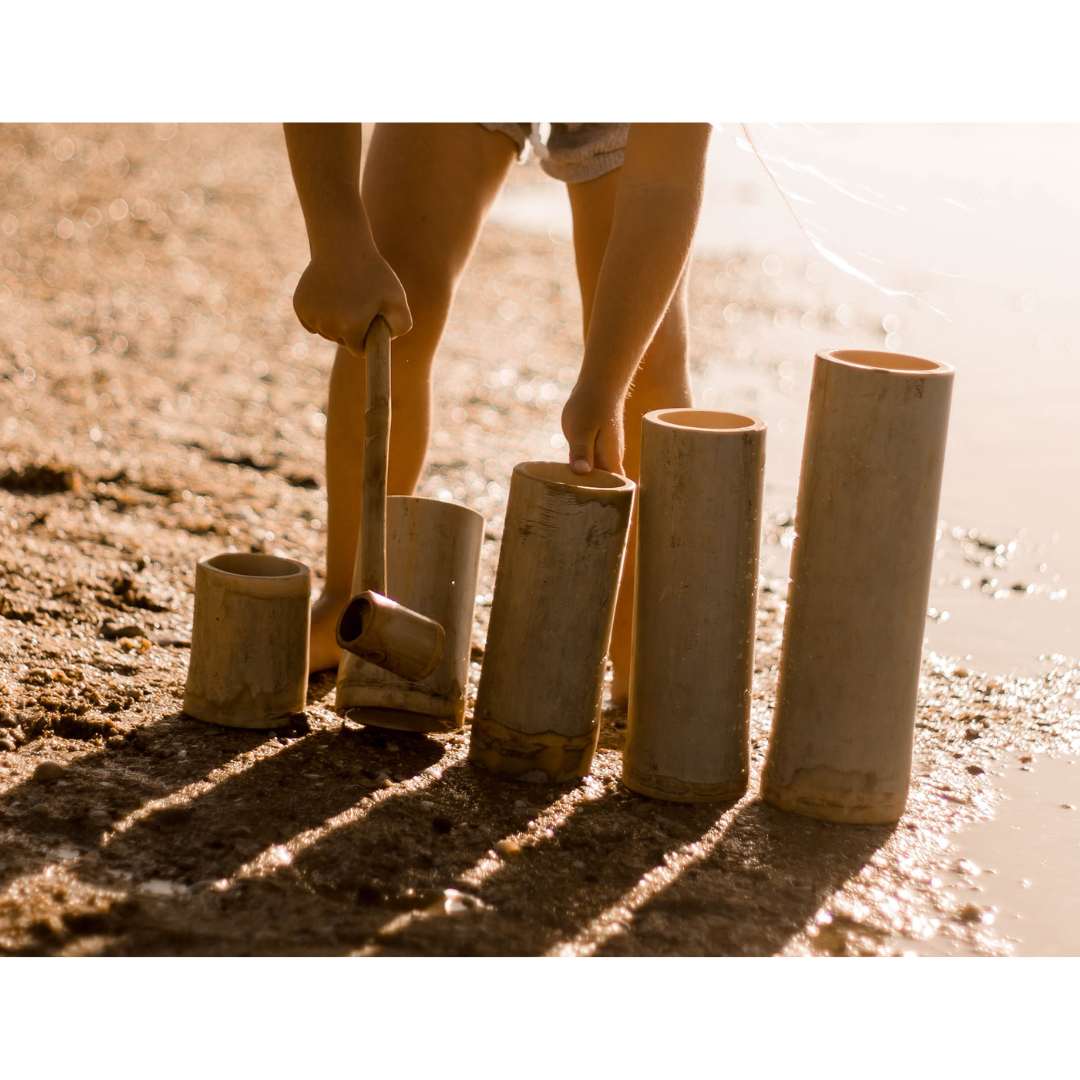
(656,212)
(347,283)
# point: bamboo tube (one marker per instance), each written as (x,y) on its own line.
(699,529)
(249,641)
(866,520)
(537,713)
(372,626)
(433,561)
(385,633)
(371,551)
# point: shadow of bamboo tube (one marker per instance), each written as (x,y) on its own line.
(865,522)
(699,531)
(537,713)
(249,641)
(433,561)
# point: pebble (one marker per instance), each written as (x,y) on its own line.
(393,747)
(49,771)
(508,849)
(7,742)
(99,817)
(520,804)
(970,913)
(453,902)
(159,887)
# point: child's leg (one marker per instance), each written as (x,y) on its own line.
(662,381)
(427,189)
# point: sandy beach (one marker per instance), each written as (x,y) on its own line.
(159,402)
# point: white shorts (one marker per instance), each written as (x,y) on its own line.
(572,153)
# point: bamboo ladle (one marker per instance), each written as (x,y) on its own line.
(373,626)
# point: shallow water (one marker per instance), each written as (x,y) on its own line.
(980,225)
(1028,855)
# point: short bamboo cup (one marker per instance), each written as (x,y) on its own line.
(698,539)
(432,565)
(249,641)
(866,519)
(537,713)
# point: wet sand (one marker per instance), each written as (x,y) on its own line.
(159,402)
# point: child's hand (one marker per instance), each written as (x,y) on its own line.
(343,289)
(592,421)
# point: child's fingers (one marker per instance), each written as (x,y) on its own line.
(398,317)
(304,323)
(353,337)
(581,450)
(609,450)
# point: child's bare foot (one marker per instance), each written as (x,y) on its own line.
(325,651)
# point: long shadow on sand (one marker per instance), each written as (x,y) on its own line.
(372,843)
(105,786)
(757,887)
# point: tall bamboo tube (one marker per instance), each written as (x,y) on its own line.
(865,523)
(249,641)
(433,561)
(699,530)
(537,711)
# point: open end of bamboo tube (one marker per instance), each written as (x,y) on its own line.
(554,472)
(245,564)
(351,623)
(391,636)
(705,420)
(250,574)
(887,361)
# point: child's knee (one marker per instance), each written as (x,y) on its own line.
(668,353)
(430,296)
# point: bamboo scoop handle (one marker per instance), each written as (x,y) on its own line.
(372,553)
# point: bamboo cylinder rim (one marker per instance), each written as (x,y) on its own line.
(354,619)
(894,363)
(255,573)
(275,566)
(560,474)
(716,421)
(451,505)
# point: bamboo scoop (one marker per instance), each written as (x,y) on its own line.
(372,626)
